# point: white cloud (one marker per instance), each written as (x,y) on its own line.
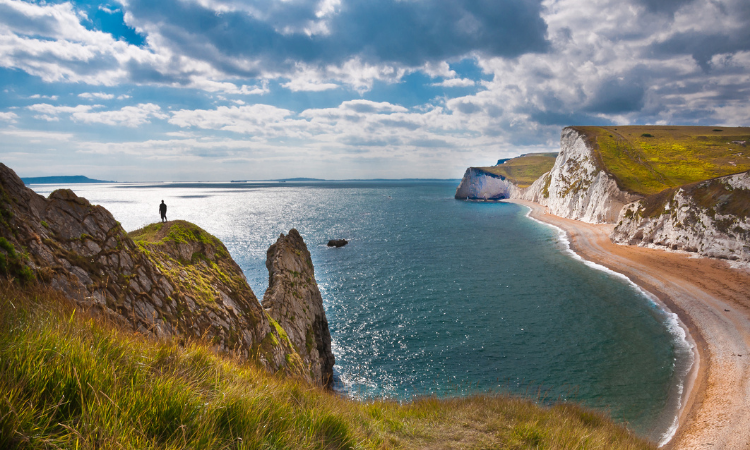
(297,85)
(39,96)
(100,95)
(8,116)
(254,90)
(129,116)
(52,110)
(108,10)
(455,82)
(37,135)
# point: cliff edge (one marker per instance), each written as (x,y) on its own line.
(174,281)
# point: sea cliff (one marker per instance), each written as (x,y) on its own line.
(710,218)
(478,184)
(606,175)
(167,281)
(578,186)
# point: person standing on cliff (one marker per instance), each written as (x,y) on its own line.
(163,211)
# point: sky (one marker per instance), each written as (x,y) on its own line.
(213,90)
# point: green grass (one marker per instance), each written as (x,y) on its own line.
(524,170)
(70,381)
(648,159)
(178,232)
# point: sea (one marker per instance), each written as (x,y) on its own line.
(440,297)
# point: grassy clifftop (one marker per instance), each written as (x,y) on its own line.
(69,381)
(648,159)
(525,169)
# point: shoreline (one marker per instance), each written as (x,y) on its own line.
(684,387)
(709,298)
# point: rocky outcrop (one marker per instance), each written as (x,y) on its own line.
(478,184)
(210,295)
(578,187)
(174,281)
(711,218)
(294,301)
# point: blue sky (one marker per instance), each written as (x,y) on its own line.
(257,89)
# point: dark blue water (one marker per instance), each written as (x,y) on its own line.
(435,296)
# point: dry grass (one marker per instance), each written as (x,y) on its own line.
(649,159)
(68,380)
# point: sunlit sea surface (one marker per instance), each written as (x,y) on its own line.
(435,296)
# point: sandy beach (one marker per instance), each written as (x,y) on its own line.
(713,302)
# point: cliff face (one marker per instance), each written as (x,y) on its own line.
(480,185)
(294,301)
(578,187)
(175,281)
(711,218)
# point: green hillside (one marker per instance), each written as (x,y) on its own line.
(525,169)
(649,159)
(71,381)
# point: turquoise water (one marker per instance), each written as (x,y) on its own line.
(435,296)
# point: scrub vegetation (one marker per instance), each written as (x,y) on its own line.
(68,380)
(649,159)
(525,169)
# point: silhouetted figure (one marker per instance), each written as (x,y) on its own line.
(163,211)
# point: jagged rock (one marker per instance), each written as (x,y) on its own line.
(294,301)
(174,281)
(337,242)
(711,218)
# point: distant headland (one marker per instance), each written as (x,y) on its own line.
(62,180)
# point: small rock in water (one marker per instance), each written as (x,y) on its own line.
(337,242)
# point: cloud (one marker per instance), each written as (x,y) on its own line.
(376,79)
(305,85)
(247,39)
(99,95)
(129,116)
(252,119)
(108,10)
(456,82)
(617,95)
(38,135)
(39,96)
(8,116)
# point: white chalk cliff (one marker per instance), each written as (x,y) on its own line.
(578,187)
(480,185)
(711,218)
